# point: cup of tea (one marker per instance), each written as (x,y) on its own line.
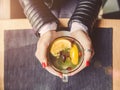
(65,55)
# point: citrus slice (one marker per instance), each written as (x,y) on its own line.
(74,54)
(59,45)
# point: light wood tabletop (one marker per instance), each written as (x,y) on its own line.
(18,24)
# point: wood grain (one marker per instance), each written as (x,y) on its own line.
(18,24)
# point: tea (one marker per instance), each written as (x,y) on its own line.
(65,54)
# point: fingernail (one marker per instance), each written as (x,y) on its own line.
(44,65)
(87,63)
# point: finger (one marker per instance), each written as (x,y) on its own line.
(41,55)
(41,51)
(52,71)
(83,38)
(86,62)
(42,46)
(85,41)
(79,69)
(89,53)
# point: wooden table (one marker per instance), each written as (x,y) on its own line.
(18,24)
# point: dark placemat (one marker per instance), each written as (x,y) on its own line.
(24,72)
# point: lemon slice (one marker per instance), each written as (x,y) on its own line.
(74,54)
(59,45)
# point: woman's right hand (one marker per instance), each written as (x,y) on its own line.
(41,50)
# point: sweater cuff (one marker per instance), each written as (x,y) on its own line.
(78,26)
(48,27)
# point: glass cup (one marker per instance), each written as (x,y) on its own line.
(65,55)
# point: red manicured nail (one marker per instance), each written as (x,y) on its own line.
(87,63)
(44,65)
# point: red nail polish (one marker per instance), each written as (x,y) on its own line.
(87,63)
(44,65)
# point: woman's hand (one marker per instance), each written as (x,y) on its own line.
(49,36)
(41,50)
(85,41)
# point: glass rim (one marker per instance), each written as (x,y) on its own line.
(66,71)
